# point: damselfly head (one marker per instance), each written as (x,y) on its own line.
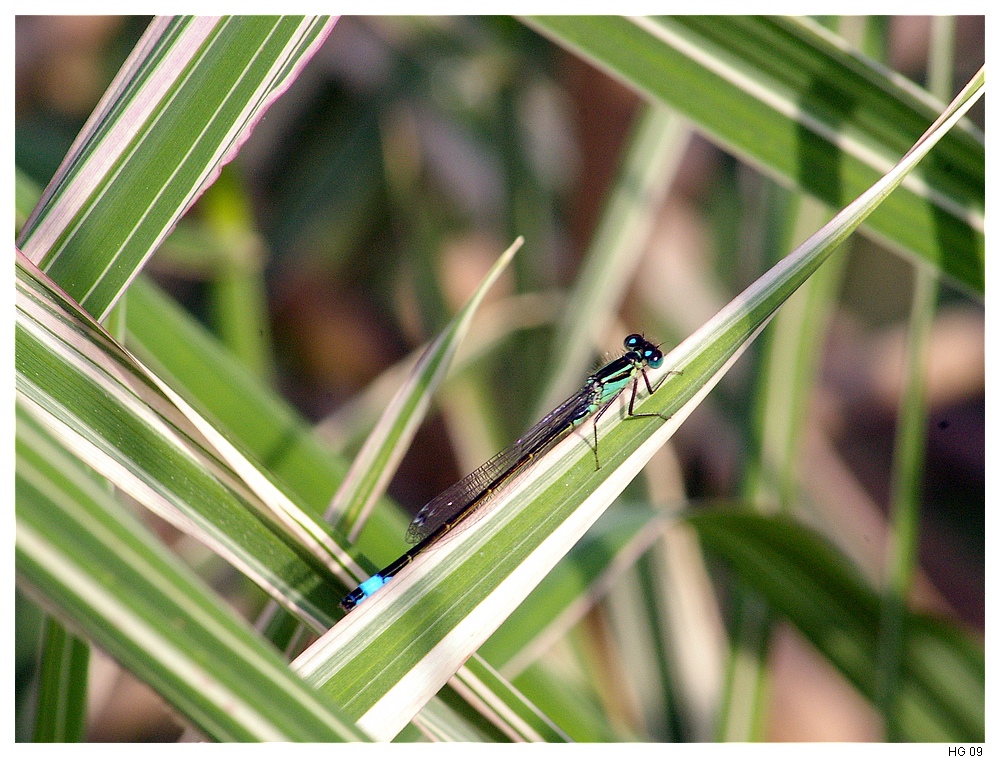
(648,353)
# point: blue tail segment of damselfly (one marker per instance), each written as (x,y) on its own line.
(455,504)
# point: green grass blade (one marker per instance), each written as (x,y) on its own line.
(78,551)
(787,96)
(180,108)
(910,450)
(379,457)
(614,543)
(177,347)
(108,408)
(486,695)
(61,710)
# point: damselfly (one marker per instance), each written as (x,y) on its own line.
(457,502)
